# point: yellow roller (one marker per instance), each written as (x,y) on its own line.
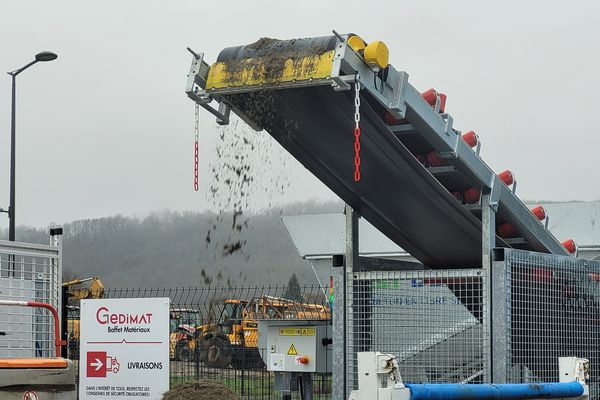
(377,55)
(356,43)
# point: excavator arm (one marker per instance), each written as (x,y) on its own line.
(94,290)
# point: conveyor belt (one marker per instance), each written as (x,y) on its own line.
(285,88)
(396,194)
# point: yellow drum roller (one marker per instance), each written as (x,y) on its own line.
(377,55)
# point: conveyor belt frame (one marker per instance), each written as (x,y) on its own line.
(402,101)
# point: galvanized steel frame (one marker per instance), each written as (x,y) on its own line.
(449,337)
(343,294)
(533,288)
(402,101)
(503,306)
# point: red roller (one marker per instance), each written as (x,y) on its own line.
(506,177)
(471,138)
(539,212)
(570,245)
(506,230)
(434,159)
(430,96)
(442,102)
(471,196)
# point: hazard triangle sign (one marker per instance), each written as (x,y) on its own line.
(292,351)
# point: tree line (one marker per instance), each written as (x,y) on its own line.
(171,249)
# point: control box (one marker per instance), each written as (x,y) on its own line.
(295,345)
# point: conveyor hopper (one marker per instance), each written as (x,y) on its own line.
(302,93)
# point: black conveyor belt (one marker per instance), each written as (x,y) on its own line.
(396,194)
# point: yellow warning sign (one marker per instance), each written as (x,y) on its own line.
(292,351)
(297,332)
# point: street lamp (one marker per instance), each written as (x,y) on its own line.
(40,57)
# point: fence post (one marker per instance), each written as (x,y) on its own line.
(500,293)
(243,380)
(197,359)
(64,322)
(489,207)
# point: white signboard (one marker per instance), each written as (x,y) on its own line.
(124,349)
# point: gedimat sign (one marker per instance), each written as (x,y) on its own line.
(124,348)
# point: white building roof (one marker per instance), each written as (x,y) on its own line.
(321,235)
(579,221)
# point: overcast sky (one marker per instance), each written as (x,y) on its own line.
(107,128)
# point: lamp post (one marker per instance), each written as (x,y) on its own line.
(43,56)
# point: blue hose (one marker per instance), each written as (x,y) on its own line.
(506,391)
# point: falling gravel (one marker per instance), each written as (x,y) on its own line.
(242,173)
(250,168)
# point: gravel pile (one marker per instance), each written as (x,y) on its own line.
(202,390)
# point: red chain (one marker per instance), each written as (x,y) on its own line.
(356,154)
(356,130)
(196,165)
(196,139)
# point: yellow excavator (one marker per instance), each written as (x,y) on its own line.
(228,334)
(73,292)
(233,338)
(94,290)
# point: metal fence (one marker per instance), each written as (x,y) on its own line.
(548,307)
(214,333)
(434,321)
(28,272)
(452,325)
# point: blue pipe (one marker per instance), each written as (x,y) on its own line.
(505,391)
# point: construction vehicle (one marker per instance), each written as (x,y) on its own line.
(94,290)
(233,338)
(182,333)
(73,293)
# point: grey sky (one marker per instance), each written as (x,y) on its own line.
(107,128)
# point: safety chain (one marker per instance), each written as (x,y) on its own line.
(196,139)
(357,131)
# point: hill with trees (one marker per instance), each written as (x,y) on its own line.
(172,249)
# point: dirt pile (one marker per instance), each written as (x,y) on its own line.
(264,42)
(267,57)
(202,390)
